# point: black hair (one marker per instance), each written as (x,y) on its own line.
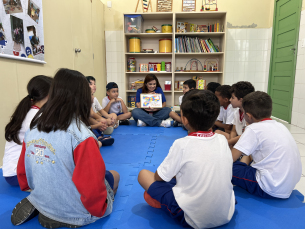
(212,86)
(190,83)
(69,99)
(90,78)
(148,78)
(258,104)
(38,88)
(224,91)
(241,89)
(201,109)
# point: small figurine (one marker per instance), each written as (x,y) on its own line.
(205,68)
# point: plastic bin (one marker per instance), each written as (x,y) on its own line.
(133,23)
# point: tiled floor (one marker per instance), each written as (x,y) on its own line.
(299,136)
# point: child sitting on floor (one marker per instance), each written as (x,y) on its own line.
(197,170)
(38,90)
(226,114)
(212,86)
(187,85)
(276,167)
(112,103)
(61,163)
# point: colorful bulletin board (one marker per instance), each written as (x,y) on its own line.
(21,30)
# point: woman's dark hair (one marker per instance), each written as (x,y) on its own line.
(241,89)
(38,88)
(258,104)
(90,78)
(224,91)
(200,108)
(69,98)
(148,78)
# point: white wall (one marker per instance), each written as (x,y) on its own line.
(298,107)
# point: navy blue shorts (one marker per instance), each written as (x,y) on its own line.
(244,177)
(163,192)
(97,132)
(12,180)
(110,179)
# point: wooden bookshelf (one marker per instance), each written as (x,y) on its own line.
(151,40)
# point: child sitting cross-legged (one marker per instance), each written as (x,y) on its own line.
(276,167)
(112,103)
(187,85)
(226,114)
(212,86)
(197,170)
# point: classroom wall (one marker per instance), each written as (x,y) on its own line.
(59,52)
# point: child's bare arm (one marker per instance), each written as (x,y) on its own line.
(124,107)
(236,154)
(107,108)
(234,140)
(224,126)
(233,133)
(103,113)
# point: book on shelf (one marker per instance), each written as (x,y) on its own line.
(186,44)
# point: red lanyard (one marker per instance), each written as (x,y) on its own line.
(241,115)
(202,134)
(265,119)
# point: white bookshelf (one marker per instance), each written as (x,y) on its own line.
(151,41)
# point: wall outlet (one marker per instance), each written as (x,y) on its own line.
(109,4)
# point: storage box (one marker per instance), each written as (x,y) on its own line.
(139,84)
(168,85)
(176,85)
(133,23)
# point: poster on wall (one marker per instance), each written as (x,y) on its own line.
(21,30)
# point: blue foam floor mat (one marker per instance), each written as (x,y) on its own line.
(138,148)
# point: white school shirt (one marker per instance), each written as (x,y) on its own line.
(239,122)
(96,106)
(180,99)
(275,156)
(12,150)
(203,170)
(226,115)
(115,107)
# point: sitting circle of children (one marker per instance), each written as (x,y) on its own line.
(231,140)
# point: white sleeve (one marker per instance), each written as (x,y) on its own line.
(97,104)
(235,117)
(180,100)
(220,116)
(230,116)
(105,102)
(248,142)
(171,164)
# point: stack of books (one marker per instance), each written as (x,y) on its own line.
(195,45)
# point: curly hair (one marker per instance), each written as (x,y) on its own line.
(241,89)
(224,91)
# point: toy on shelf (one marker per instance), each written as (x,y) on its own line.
(211,5)
(159,67)
(182,27)
(193,65)
(164,5)
(133,23)
(202,6)
(168,85)
(133,86)
(188,6)
(143,68)
(145,6)
(131,64)
(212,65)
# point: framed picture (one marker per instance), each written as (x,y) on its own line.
(188,5)
(151,100)
(164,5)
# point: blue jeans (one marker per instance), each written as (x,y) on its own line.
(155,119)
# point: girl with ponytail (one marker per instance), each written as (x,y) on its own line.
(38,89)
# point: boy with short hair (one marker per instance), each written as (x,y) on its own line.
(112,103)
(276,166)
(196,171)
(187,85)
(226,114)
(238,91)
(212,86)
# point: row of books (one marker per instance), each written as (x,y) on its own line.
(195,44)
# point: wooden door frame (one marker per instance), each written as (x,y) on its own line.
(296,53)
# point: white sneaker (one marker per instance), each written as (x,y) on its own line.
(141,123)
(166,123)
(116,125)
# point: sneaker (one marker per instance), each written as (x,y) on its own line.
(109,130)
(166,123)
(125,122)
(116,125)
(176,124)
(141,123)
(23,212)
(151,201)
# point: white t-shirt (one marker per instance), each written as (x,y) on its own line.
(239,122)
(13,150)
(180,99)
(96,106)
(226,115)
(275,156)
(116,107)
(203,169)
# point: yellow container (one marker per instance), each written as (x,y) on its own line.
(167,28)
(165,45)
(150,31)
(158,67)
(134,44)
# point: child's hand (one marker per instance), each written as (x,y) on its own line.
(119,100)
(112,101)
(102,126)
